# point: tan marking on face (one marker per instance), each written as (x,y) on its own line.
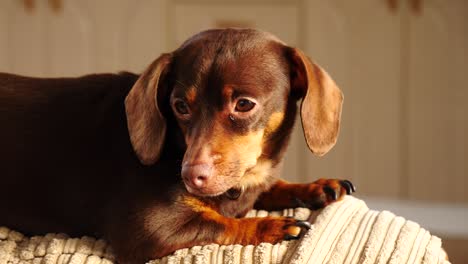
(248,148)
(274,122)
(191,95)
(256,175)
(234,156)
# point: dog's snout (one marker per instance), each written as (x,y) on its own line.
(197,175)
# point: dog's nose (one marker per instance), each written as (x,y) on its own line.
(197,175)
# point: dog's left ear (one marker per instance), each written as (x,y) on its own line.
(146,124)
(321,102)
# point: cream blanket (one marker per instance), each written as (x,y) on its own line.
(344,232)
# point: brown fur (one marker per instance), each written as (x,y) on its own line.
(103,154)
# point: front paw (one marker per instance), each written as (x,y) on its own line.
(325,191)
(277,229)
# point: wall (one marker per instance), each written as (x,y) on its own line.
(405,125)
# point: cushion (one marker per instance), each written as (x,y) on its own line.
(344,232)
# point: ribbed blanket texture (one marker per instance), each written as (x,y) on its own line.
(345,232)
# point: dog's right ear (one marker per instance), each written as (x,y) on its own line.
(321,103)
(146,124)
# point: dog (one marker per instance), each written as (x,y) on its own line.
(171,158)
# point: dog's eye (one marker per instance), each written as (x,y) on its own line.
(181,107)
(244,105)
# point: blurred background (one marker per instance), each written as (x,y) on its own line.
(401,64)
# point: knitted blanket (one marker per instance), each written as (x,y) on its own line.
(344,232)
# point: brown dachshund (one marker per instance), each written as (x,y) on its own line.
(174,157)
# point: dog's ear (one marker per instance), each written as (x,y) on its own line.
(146,124)
(321,102)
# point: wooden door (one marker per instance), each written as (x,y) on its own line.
(81,37)
(359,45)
(437,99)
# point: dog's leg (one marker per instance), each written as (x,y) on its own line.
(203,225)
(314,195)
(197,223)
(244,231)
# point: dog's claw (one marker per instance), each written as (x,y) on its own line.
(304,224)
(296,229)
(290,237)
(348,186)
(331,192)
(300,203)
(352,186)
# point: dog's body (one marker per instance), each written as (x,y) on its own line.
(62,148)
(171,158)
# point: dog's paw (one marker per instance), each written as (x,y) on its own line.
(277,229)
(325,191)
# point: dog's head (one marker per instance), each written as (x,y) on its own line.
(233,93)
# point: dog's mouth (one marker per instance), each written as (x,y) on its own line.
(232,193)
(201,192)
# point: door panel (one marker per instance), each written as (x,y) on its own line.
(437,100)
(25,39)
(363,57)
(69,41)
